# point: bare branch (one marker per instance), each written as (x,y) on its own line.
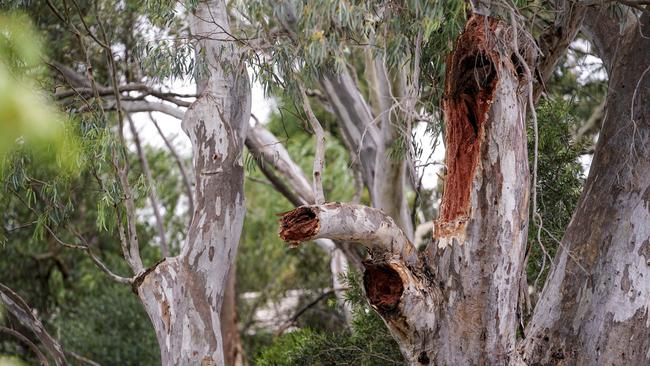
(604,33)
(146,106)
(267,149)
(41,357)
(367,226)
(139,87)
(27,317)
(83,359)
(555,39)
(179,163)
(319,157)
(153,196)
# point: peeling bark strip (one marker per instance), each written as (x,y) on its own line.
(470,84)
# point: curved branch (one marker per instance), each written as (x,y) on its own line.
(367,226)
(30,344)
(267,149)
(19,308)
(135,106)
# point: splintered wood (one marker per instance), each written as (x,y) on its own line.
(469,89)
(299,225)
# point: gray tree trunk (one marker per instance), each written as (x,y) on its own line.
(456,304)
(594,307)
(183,295)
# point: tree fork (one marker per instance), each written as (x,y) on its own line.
(395,281)
(454,304)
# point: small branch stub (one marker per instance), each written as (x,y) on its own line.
(299,225)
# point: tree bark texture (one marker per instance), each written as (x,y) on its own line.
(183,295)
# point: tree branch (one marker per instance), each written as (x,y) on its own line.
(179,163)
(41,357)
(367,226)
(319,157)
(267,149)
(556,38)
(153,196)
(19,308)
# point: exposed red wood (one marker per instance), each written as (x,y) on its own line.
(383,286)
(471,79)
(299,225)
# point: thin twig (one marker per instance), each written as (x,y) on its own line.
(153,197)
(319,157)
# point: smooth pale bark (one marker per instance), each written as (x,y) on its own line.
(356,121)
(456,303)
(183,295)
(594,307)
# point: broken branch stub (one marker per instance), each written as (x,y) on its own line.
(470,86)
(348,222)
(298,225)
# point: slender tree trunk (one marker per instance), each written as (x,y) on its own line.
(183,295)
(233,351)
(594,307)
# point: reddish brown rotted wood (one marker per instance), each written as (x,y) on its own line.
(470,83)
(383,286)
(299,224)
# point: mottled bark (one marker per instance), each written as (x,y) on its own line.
(480,235)
(183,295)
(455,304)
(594,307)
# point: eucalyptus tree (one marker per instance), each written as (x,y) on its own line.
(456,301)
(379,69)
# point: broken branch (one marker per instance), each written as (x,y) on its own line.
(367,226)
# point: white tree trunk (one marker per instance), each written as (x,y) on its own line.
(454,304)
(183,295)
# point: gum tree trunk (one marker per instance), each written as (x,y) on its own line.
(454,304)
(183,295)
(594,307)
